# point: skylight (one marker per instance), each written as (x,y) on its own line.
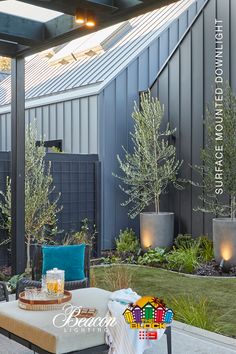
(91,44)
(32,12)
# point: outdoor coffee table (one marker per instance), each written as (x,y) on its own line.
(35,330)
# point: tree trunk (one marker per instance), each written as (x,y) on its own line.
(232,207)
(157,205)
(28,268)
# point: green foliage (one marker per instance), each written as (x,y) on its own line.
(40,208)
(12,282)
(2,276)
(202,244)
(184,240)
(127,243)
(197,312)
(183,259)
(87,235)
(211,202)
(55,149)
(152,165)
(153,257)
(112,259)
(205,248)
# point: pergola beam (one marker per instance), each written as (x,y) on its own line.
(20,30)
(18,165)
(70,6)
(9,49)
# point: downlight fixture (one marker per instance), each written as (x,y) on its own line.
(85,18)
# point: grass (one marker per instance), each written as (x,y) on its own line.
(217,296)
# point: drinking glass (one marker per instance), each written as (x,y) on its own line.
(30,292)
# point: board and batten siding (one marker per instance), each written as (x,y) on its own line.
(116,104)
(75,122)
(185,86)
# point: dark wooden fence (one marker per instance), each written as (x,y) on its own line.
(77,178)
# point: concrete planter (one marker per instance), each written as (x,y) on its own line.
(224,240)
(157,230)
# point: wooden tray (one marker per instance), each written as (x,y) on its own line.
(47,304)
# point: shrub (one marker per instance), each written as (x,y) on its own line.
(111,259)
(12,282)
(153,257)
(196,312)
(127,244)
(183,259)
(205,245)
(184,240)
(117,277)
(86,235)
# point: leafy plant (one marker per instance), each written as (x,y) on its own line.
(87,234)
(127,243)
(56,149)
(117,277)
(152,165)
(184,240)
(153,257)
(12,282)
(40,207)
(205,246)
(183,259)
(214,195)
(112,259)
(197,312)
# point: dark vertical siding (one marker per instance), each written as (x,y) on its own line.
(190,86)
(116,105)
(73,121)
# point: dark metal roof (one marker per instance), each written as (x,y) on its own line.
(44,78)
(22,36)
(3,75)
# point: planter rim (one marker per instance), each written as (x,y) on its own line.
(225,220)
(154,213)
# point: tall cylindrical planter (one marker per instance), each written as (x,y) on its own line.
(224,240)
(156,230)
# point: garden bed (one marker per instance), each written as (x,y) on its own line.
(188,255)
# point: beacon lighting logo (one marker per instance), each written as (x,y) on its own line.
(148,315)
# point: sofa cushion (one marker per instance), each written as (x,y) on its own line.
(68,258)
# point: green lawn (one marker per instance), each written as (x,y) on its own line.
(157,282)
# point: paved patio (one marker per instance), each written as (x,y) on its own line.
(186,340)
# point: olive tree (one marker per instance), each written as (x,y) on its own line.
(218,168)
(152,165)
(40,208)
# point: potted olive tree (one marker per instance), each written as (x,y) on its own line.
(218,176)
(147,172)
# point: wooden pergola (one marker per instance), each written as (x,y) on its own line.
(20,37)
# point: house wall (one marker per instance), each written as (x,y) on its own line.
(102,124)
(74,122)
(185,86)
(116,104)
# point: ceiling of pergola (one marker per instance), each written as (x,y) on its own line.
(22,36)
